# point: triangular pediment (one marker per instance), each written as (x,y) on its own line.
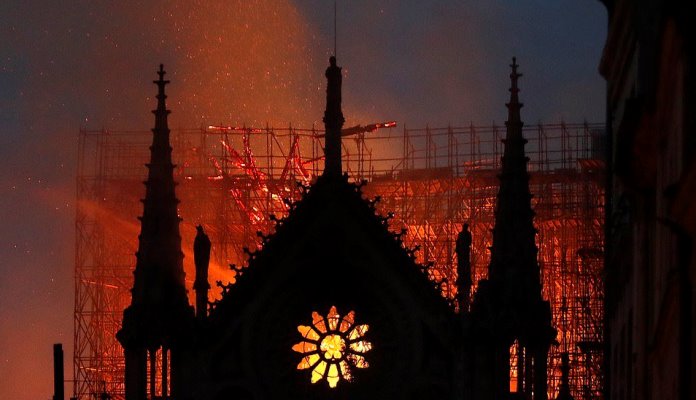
(344,243)
(333,250)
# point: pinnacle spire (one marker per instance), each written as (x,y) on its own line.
(159,317)
(509,304)
(333,120)
(159,257)
(514,252)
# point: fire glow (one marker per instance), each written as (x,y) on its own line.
(241,183)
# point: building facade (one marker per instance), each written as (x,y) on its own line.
(333,305)
(648,62)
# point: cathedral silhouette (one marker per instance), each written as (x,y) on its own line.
(334,306)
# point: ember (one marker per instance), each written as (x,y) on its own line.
(235,182)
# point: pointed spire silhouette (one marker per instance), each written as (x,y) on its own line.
(159,316)
(514,251)
(159,271)
(333,120)
(509,304)
(160,241)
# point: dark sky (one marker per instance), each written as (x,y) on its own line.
(71,64)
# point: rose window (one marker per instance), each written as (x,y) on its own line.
(332,346)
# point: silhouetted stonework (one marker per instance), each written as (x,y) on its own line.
(159,318)
(333,119)
(333,249)
(649,63)
(201,258)
(508,306)
(464,281)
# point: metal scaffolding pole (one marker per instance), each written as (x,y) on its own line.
(433,179)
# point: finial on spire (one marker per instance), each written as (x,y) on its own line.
(514,65)
(161,112)
(161,82)
(514,106)
(161,73)
(514,76)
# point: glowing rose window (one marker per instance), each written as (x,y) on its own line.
(331,346)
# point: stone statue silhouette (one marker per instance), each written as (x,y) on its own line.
(201,257)
(201,249)
(463,250)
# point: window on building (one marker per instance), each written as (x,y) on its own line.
(331,346)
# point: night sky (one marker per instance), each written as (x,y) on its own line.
(71,64)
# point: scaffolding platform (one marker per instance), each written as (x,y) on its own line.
(231,180)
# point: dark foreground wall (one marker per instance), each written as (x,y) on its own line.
(648,62)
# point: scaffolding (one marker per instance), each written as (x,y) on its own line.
(232,179)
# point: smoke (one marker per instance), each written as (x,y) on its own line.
(66,64)
(91,63)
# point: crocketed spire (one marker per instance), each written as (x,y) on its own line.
(159,297)
(514,251)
